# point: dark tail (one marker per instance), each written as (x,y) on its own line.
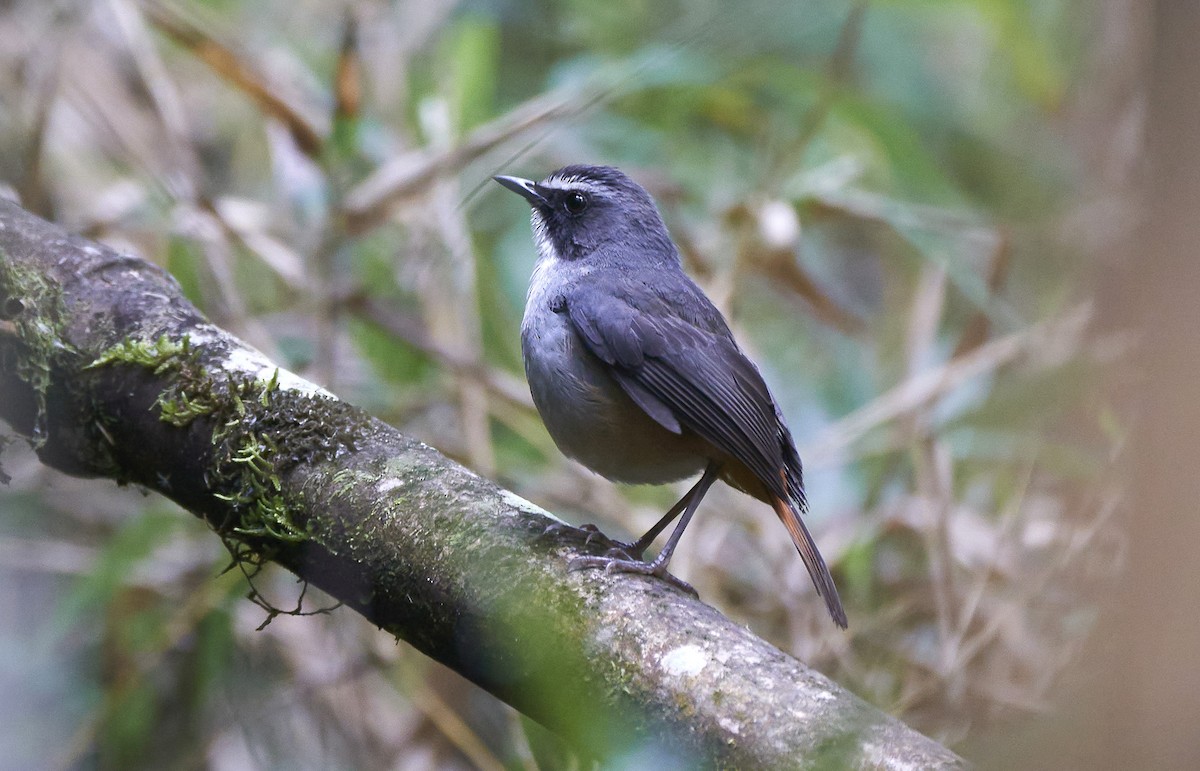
(821,578)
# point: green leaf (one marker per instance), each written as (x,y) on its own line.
(902,165)
(212,654)
(390,358)
(129,724)
(471,52)
(183,262)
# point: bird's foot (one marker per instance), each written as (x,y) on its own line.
(613,564)
(586,536)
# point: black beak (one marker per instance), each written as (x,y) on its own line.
(525,188)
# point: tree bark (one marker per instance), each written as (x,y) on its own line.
(110,372)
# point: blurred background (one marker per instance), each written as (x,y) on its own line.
(920,216)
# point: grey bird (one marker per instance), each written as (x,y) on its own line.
(635,372)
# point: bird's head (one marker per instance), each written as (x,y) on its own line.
(594,212)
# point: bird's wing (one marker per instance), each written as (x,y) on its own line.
(682,374)
(694,375)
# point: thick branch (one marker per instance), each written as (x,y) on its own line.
(111,372)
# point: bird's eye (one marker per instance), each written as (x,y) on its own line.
(575,203)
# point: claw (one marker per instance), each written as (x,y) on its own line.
(563,530)
(625,565)
(619,557)
(586,535)
(593,534)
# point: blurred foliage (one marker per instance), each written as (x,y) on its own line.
(881,195)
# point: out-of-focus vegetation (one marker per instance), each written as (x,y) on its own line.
(893,202)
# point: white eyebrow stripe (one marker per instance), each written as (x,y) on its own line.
(573,183)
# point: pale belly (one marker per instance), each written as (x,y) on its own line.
(588,415)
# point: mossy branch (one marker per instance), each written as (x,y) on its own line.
(110,372)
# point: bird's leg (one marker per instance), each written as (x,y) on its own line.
(638,547)
(634,550)
(658,567)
